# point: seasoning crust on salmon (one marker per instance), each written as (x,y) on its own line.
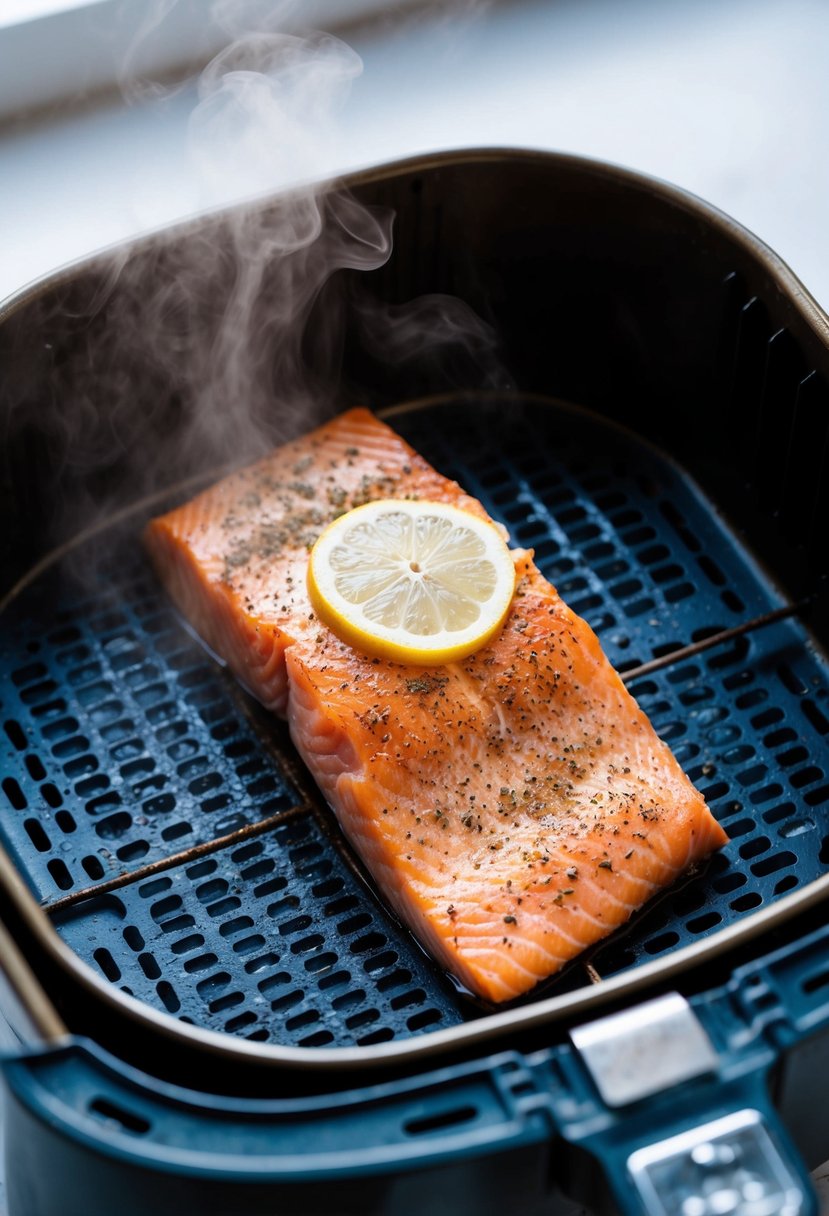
(514,807)
(235,558)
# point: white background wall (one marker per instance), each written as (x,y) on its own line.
(729,98)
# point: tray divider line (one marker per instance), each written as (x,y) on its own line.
(715,639)
(249,832)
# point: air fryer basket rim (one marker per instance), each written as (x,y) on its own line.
(576,1005)
(785,279)
(580,1005)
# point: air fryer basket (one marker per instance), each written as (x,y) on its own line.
(659,437)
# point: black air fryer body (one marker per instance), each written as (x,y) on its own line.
(212,1010)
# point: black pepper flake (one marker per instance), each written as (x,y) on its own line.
(425,683)
(510,920)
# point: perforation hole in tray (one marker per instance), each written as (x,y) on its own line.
(123,742)
(276,979)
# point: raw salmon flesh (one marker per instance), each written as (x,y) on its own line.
(513,808)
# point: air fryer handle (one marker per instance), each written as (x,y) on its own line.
(678,1128)
(737,1164)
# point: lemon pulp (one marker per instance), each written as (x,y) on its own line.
(417,582)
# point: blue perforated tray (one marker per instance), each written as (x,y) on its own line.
(125,742)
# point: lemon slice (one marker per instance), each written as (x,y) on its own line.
(417,582)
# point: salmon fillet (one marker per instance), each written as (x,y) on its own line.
(513,808)
(235,558)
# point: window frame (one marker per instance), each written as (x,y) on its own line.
(84,47)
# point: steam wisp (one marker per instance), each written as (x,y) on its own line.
(207,346)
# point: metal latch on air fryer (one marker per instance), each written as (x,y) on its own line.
(646,1049)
